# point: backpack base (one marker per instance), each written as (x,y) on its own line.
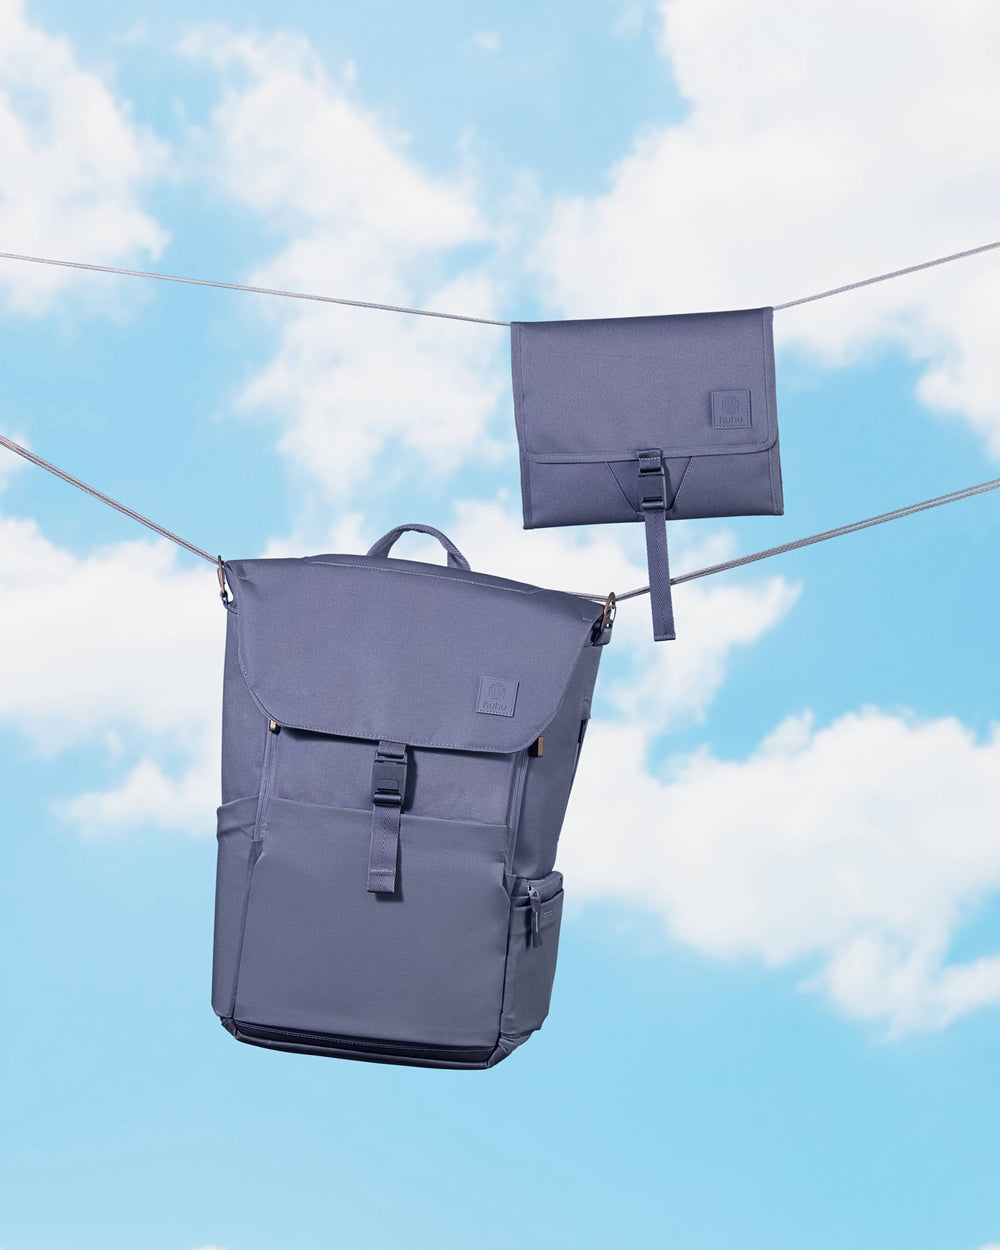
(370,1050)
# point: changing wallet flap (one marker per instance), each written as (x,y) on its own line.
(604,389)
(379,648)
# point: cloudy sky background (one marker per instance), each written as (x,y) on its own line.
(776,1015)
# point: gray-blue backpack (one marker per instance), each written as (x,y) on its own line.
(399,743)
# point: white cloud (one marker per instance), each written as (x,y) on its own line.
(350,532)
(292,144)
(488,40)
(151,796)
(122,648)
(678,681)
(348,388)
(858,849)
(805,163)
(364,221)
(73,164)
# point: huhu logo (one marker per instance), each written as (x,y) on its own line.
(731,410)
(497,696)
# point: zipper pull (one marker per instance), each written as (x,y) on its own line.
(535,899)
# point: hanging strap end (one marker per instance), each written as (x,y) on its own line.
(653,502)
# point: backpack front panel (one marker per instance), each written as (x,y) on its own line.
(321,954)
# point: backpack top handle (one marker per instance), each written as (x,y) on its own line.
(455,558)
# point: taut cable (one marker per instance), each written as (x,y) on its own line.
(426,312)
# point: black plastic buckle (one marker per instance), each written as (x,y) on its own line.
(652,482)
(389,775)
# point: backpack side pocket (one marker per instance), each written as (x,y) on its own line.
(232,882)
(532,946)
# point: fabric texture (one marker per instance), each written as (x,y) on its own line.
(696,391)
(390,820)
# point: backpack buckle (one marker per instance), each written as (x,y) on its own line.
(652,482)
(389,775)
(388,793)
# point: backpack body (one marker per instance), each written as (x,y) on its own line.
(399,743)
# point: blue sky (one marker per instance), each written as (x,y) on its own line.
(782,1031)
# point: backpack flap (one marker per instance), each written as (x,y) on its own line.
(647,419)
(400,651)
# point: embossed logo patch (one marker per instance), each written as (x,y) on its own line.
(497,696)
(730,410)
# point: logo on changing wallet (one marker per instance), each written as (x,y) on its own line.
(497,696)
(731,410)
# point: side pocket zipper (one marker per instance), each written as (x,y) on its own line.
(516,798)
(535,899)
(266,778)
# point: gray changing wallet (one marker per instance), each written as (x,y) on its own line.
(647,419)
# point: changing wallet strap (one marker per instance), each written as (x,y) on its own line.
(653,502)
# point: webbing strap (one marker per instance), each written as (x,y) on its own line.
(388,795)
(653,501)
